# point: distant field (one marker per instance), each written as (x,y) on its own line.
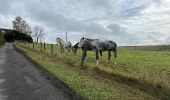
(148,48)
(138,74)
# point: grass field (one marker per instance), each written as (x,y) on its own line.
(137,75)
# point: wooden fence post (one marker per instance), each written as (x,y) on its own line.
(51,48)
(25,44)
(28,44)
(21,43)
(33,45)
(41,45)
(44,46)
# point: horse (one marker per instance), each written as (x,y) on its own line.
(98,46)
(74,48)
(64,44)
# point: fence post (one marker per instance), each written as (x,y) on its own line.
(51,48)
(25,44)
(44,46)
(33,45)
(28,44)
(41,45)
(20,42)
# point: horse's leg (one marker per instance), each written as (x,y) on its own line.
(61,49)
(97,58)
(69,49)
(101,55)
(115,55)
(83,58)
(109,54)
(75,51)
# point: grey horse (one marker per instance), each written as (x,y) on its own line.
(64,44)
(98,46)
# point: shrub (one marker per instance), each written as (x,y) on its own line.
(15,35)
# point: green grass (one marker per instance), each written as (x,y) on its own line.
(137,74)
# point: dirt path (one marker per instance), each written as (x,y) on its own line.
(20,80)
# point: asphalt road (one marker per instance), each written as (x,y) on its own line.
(20,80)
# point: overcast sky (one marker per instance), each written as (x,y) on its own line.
(127,22)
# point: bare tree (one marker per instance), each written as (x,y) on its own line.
(26,28)
(21,25)
(38,34)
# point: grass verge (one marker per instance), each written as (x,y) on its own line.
(89,83)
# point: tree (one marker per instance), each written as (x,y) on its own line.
(21,25)
(13,35)
(17,24)
(38,34)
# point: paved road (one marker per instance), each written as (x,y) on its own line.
(20,80)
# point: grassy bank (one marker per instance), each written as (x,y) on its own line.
(137,75)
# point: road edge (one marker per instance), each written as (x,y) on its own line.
(57,83)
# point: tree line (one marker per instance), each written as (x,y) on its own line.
(23,31)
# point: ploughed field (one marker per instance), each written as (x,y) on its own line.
(137,74)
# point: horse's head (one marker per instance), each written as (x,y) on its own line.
(81,43)
(58,40)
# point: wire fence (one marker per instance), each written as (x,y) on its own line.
(135,56)
(44,47)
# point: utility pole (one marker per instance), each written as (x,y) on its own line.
(66,36)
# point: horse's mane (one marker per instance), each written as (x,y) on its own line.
(91,39)
(60,38)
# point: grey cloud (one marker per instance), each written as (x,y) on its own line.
(157,37)
(5,6)
(61,23)
(101,3)
(116,29)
